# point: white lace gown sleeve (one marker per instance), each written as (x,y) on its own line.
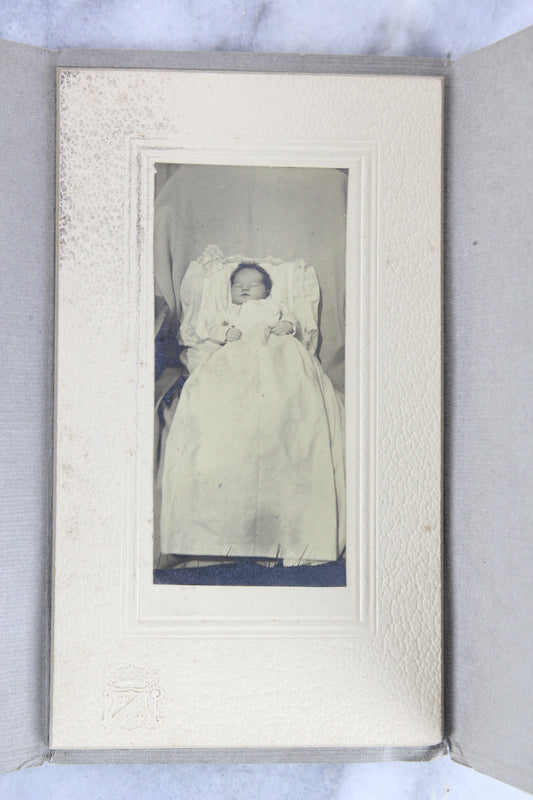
(288,316)
(218,330)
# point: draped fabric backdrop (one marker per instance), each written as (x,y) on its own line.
(285,212)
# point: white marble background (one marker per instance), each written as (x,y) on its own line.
(441,28)
(444,28)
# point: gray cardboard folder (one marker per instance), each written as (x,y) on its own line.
(488,241)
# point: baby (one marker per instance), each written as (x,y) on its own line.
(251,305)
(254,461)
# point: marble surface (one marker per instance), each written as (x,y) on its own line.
(442,28)
(389,781)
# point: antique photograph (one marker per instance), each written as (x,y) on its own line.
(249,444)
(269,527)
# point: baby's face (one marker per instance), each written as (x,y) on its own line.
(248,285)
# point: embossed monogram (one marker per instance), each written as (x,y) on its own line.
(132,699)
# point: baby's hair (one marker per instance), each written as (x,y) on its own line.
(267,280)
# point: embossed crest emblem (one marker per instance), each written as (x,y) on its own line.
(132,699)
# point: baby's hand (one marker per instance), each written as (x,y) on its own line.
(282,328)
(233,334)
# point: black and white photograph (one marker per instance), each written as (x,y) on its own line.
(249,461)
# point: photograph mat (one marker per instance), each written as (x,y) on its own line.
(155,609)
(379,689)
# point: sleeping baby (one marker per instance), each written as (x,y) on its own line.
(254,459)
(251,305)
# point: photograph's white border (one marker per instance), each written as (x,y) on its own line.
(173,610)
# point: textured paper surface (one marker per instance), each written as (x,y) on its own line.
(239,689)
(26,405)
(488,412)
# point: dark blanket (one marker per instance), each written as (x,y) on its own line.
(247,572)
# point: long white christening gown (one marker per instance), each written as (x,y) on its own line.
(254,460)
